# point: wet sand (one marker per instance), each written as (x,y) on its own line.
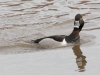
(24,20)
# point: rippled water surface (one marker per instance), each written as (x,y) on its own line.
(24,20)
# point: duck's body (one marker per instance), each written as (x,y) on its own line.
(62,40)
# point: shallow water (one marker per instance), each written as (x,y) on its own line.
(23,20)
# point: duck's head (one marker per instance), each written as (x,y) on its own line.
(79,22)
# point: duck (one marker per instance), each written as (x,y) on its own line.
(62,40)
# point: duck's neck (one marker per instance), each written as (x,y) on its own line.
(73,36)
(75,31)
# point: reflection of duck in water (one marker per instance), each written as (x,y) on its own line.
(80,59)
(62,40)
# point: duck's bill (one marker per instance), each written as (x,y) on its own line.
(77,24)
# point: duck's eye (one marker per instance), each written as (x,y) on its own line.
(81,19)
(76,24)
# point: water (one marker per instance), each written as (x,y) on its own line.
(23,20)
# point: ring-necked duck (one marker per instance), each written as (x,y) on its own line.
(62,40)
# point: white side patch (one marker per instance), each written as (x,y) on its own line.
(50,43)
(64,43)
(77,24)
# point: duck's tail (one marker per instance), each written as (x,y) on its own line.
(32,41)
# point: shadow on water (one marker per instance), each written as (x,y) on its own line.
(80,58)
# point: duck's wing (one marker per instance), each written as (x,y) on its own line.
(58,38)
